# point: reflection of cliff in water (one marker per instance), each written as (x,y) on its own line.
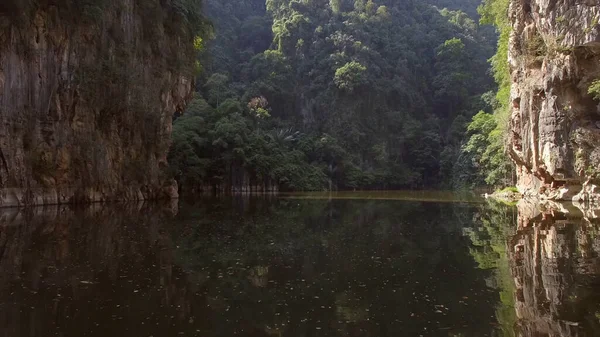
(62,269)
(555,263)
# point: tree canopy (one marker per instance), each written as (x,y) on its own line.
(353,94)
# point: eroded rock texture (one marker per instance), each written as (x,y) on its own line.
(556,266)
(87,94)
(554,56)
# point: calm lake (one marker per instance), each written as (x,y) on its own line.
(350,264)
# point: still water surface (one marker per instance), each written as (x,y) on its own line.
(384,264)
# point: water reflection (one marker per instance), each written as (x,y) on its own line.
(545,267)
(95,271)
(299,267)
(339,268)
(250,267)
(493,226)
(556,267)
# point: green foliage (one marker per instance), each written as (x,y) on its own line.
(452,80)
(594,89)
(376,104)
(216,89)
(467,6)
(488,133)
(383,12)
(350,76)
(487,150)
(359,5)
(460,19)
(336,5)
(187,166)
(511,189)
(495,12)
(210,145)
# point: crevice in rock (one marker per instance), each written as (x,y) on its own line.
(527,7)
(4,174)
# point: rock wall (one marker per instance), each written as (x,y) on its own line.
(554,56)
(87,94)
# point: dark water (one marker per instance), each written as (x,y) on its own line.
(370,265)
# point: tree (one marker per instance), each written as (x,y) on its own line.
(359,5)
(350,76)
(487,151)
(217,89)
(453,77)
(383,13)
(335,6)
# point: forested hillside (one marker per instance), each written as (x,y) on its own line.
(340,94)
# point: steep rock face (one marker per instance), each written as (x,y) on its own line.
(555,264)
(554,56)
(87,94)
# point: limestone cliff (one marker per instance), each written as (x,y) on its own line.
(554,56)
(87,94)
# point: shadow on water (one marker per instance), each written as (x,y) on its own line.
(270,266)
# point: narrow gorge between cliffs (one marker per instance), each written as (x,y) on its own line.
(310,168)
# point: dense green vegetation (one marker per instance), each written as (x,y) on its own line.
(340,94)
(488,132)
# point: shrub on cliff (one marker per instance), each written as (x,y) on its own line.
(594,90)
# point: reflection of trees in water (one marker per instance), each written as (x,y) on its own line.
(343,267)
(493,225)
